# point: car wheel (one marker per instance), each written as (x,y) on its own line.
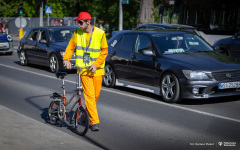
(170,88)
(109,78)
(23,58)
(53,63)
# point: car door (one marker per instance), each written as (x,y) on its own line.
(30,46)
(121,52)
(41,48)
(142,67)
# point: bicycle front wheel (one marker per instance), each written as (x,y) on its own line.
(53,113)
(81,121)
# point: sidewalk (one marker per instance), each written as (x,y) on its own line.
(18,131)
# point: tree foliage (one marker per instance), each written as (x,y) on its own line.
(106,10)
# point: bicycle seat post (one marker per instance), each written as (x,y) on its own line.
(63,86)
(79,84)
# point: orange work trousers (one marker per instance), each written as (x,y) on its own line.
(91,90)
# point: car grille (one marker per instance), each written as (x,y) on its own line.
(220,76)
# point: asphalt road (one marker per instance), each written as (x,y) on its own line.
(129,119)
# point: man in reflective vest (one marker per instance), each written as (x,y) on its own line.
(91,50)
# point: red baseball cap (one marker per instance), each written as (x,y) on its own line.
(83,15)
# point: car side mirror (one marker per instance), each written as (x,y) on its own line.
(43,41)
(237,35)
(147,52)
(217,48)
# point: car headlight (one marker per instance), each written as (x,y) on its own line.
(195,74)
(9,37)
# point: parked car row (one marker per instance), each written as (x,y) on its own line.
(173,62)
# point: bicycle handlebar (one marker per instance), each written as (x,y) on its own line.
(75,67)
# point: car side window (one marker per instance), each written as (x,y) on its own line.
(128,42)
(26,34)
(42,35)
(143,42)
(119,43)
(33,35)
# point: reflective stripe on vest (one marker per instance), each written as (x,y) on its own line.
(94,47)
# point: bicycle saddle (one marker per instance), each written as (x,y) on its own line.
(61,74)
(56,95)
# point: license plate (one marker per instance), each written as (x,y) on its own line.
(229,85)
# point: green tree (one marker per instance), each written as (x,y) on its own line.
(106,10)
(4,7)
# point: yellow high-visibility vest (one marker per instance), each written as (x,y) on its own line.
(94,48)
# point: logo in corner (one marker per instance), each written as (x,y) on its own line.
(220,143)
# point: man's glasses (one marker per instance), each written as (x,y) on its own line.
(81,22)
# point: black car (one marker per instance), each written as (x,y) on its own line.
(46,46)
(229,46)
(174,64)
(168,26)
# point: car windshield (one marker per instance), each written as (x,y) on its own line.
(60,35)
(180,43)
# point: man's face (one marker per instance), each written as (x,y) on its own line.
(83,24)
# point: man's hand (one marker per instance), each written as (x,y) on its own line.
(67,64)
(93,68)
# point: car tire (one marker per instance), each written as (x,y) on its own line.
(23,58)
(170,88)
(109,78)
(54,63)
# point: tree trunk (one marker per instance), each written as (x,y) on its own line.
(146,12)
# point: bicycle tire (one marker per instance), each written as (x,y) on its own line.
(53,113)
(81,122)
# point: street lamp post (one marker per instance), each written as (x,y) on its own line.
(120,15)
(41,13)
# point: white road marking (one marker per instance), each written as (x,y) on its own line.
(137,97)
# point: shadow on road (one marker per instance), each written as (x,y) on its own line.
(184,101)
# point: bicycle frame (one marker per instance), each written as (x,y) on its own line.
(57,108)
(79,93)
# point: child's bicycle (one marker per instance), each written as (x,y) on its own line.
(57,108)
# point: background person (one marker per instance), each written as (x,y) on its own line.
(61,22)
(92,51)
(56,23)
(6,26)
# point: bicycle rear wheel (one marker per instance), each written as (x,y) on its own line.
(81,121)
(53,113)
